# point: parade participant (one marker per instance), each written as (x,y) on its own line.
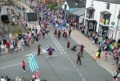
(65,34)
(39,49)
(96,56)
(69,31)
(55,32)
(59,34)
(68,45)
(74,48)
(79,59)
(23,65)
(81,48)
(50,52)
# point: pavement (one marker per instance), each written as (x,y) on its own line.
(62,65)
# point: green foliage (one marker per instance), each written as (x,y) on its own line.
(29,28)
(17,32)
(52,7)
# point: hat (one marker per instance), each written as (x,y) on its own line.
(68,41)
(50,47)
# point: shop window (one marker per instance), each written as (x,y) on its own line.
(103,30)
(92,3)
(105,19)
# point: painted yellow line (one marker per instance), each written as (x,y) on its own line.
(27,48)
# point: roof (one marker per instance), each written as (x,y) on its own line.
(110,1)
(91,8)
(106,12)
(79,12)
(76,3)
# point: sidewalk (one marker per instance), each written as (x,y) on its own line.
(37,26)
(92,49)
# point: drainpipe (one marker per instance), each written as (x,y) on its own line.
(117,23)
(116,29)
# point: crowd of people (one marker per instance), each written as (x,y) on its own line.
(110,46)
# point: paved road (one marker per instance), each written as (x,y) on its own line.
(61,66)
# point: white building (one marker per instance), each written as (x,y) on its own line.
(101,16)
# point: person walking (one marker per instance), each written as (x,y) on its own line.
(39,49)
(81,48)
(79,58)
(50,52)
(69,31)
(63,32)
(96,56)
(23,65)
(59,34)
(68,45)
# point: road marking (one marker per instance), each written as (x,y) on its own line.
(59,49)
(51,56)
(62,49)
(61,52)
(80,74)
(64,52)
(83,79)
(13,65)
(77,70)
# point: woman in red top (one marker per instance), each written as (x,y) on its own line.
(23,65)
(8,44)
(55,31)
(50,52)
(68,45)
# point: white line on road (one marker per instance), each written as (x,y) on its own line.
(12,65)
(83,79)
(80,74)
(62,49)
(64,52)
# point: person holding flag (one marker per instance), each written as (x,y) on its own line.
(50,50)
(81,48)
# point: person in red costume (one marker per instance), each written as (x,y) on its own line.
(65,34)
(55,32)
(23,65)
(68,45)
(50,52)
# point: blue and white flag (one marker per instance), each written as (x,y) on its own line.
(33,63)
(48,49)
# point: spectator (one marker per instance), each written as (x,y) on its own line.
(8,44)
(2,79)
(6,37)
(7,79)
(3,48)
(10,37)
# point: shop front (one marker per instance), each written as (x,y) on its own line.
(111,32)
(91,24)
(103,31)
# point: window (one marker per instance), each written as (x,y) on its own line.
(108,5)
(105,19)
(65,6)
(92,3)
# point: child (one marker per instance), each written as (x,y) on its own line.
(106,55)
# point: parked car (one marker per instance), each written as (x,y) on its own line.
(20,7)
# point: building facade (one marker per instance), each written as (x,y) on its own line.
(101,17)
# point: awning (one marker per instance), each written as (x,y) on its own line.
(78,12)
(106,12)
(91,8)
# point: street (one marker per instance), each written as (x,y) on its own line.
(61,66)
